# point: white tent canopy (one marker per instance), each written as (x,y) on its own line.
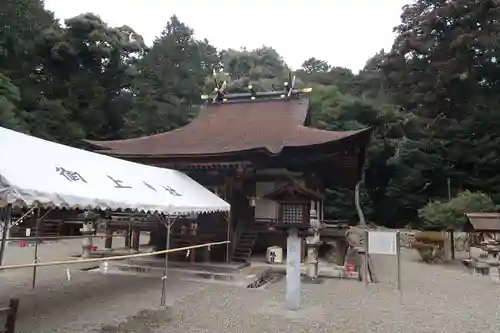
(38,172)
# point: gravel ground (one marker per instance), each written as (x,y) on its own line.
(89,302)
(434,299)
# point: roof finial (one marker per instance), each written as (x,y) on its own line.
(252,91)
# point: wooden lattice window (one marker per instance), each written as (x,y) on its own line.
(292,213)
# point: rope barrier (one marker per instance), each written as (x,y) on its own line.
(81,261)
(49,238)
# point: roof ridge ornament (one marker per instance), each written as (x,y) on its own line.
(220,89)
(222,97)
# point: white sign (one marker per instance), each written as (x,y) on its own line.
(382,242)
(28,232)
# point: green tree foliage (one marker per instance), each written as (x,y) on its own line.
(431,99)
(313,65)
(263,68)
(172,76)
(9,97)
(451,215)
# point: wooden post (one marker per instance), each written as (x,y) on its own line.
(228,196)
(192,256)
(152,237)
(302,250)
(10,323)
(136,234)
(108,243)
(128,235)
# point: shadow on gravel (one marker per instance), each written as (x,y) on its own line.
(145,321)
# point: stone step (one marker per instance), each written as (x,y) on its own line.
(241,257)
(243,251)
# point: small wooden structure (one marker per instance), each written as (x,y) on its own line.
(483,222)
(481,225)
(295,202)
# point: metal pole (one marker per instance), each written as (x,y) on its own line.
(365,264)
(398,252)
(228,236)
(38,226)
(164,278)
(6,218)
(129,238)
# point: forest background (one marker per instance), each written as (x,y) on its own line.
(432,99)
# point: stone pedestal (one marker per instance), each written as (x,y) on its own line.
(312,263)
(88,231)
(493,272)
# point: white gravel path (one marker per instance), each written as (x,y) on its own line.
(434,299)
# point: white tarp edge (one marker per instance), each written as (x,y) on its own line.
(35,171)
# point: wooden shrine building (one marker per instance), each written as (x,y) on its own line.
(250,149)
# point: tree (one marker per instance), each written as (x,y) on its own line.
(22,24)
(443,61)
(89,67)
(313,65)
(263,68)
(172,76)
(451,215)
(442,69)
(9,97)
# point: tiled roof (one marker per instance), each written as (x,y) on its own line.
(269,125)
(484,221)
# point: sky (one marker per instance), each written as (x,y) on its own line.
(345,33)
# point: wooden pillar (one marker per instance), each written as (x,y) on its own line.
(136,234)
(228,193)
(302,250)
(127,239)
(108,242)
(192,256)
(152,235)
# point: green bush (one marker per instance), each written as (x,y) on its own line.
(451,215)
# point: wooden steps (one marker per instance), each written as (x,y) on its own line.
(246,242)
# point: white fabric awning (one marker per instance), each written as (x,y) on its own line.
(39,172)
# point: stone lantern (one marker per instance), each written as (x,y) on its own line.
(294,208)
(313,243)
(87,230)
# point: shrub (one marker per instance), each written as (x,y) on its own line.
(451,215)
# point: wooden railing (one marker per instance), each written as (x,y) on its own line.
(11,312)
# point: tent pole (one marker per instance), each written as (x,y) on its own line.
(129,238)
(38,226)
(6,218)
(228,249)
(168,224)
